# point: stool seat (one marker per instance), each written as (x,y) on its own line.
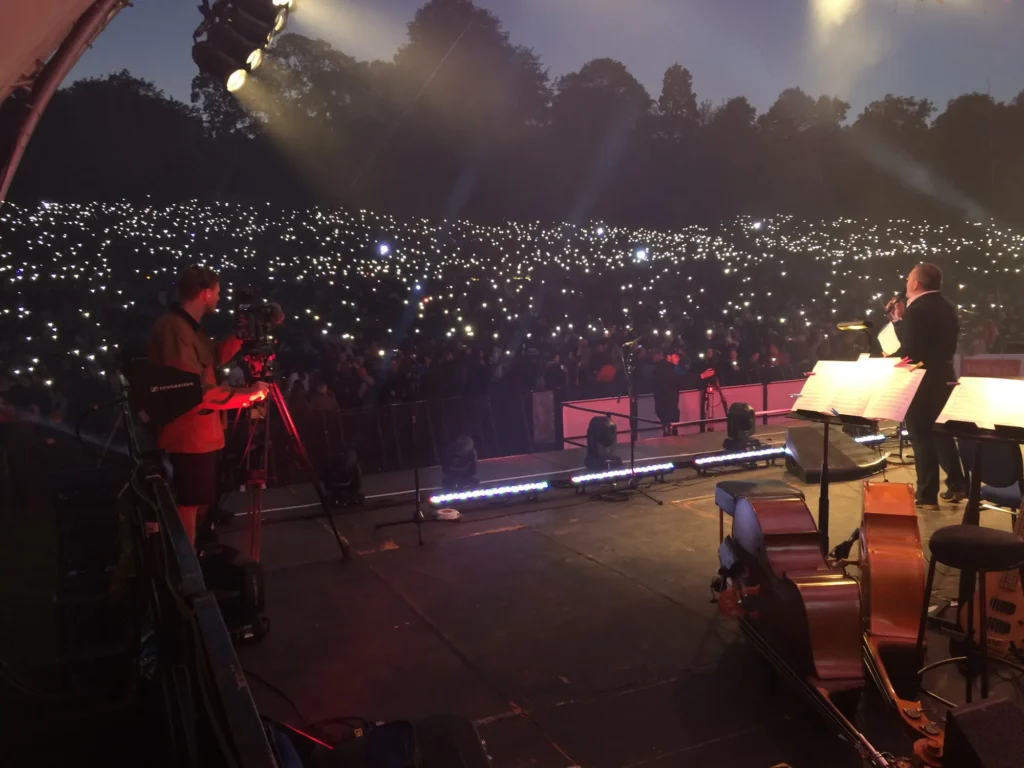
(728,492)
(972,547)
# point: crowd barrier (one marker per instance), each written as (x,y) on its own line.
(772,396)
(501,423)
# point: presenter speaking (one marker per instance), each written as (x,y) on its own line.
(928,330)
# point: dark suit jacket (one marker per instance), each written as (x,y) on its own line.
(928,334)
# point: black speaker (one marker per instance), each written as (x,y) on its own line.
(847,459)
(987,734)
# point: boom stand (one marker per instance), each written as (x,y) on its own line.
(256,480)
(629,370)
(418,518)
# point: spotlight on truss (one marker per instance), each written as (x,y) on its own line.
(231,41)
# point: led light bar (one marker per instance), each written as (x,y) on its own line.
(870,439)
(611,474)
(741,457)
(489,493)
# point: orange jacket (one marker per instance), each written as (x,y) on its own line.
(177,341)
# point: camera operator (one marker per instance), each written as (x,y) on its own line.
(194,439)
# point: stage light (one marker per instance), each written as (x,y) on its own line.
(602,437)
(741,422)
(489,493)
(241,50)
(614,474)
(741,457)
(458,466)
(383,249)
(856,325)
(219,66)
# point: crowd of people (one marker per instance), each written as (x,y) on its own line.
(380,310)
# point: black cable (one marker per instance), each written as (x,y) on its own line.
(303,720)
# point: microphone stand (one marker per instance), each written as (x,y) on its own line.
(630,370)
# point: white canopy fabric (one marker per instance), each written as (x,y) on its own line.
(30,31)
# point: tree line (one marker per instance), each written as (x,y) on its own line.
(464,123)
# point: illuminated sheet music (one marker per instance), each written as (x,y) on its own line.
(870,388)
(987,403)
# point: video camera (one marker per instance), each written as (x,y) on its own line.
(255,320)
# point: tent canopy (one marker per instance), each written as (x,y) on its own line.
(30,31)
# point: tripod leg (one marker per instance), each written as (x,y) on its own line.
(300,452)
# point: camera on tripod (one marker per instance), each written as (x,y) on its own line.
(255,320)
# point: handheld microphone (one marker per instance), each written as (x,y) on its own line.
(632,343)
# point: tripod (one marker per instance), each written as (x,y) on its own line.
(629,368)
(256,477)
(418,518)
(712,387)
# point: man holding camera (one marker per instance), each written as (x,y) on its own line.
(194,439)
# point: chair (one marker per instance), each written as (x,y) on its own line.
(728,492)
(1002,471)
(975,550)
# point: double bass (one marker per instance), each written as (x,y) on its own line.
(892,578)
(803,613)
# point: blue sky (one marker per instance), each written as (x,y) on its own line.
(858,50)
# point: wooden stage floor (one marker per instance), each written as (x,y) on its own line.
(573,631)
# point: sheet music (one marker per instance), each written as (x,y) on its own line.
(969,403)
(817,392)
(893,399)
(872,388)
(888,340)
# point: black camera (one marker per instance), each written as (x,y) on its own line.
(255,320)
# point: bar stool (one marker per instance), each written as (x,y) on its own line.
(971,549)
(728,492)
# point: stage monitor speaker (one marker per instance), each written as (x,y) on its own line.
(847,459)
(986,734)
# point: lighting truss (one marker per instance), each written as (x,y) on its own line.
(871,439)
(490,493)
(741,457)
(614,474)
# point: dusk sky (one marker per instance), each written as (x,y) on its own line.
(858,50)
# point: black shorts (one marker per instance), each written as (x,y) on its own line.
(195,478)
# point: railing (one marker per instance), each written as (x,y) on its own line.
(501,423)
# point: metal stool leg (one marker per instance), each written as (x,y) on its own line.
(983,632)
(924,613)
(969,644)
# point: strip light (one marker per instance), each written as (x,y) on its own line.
(740,458)
(871,438)
(489,493)
(611,474)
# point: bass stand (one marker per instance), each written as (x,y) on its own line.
(256,479)
(630,370)
(418,518)
(899,458)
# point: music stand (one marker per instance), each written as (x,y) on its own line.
(418,518)
(853,393)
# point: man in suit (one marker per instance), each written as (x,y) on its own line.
(928,330)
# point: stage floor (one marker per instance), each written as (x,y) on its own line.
(573,631)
